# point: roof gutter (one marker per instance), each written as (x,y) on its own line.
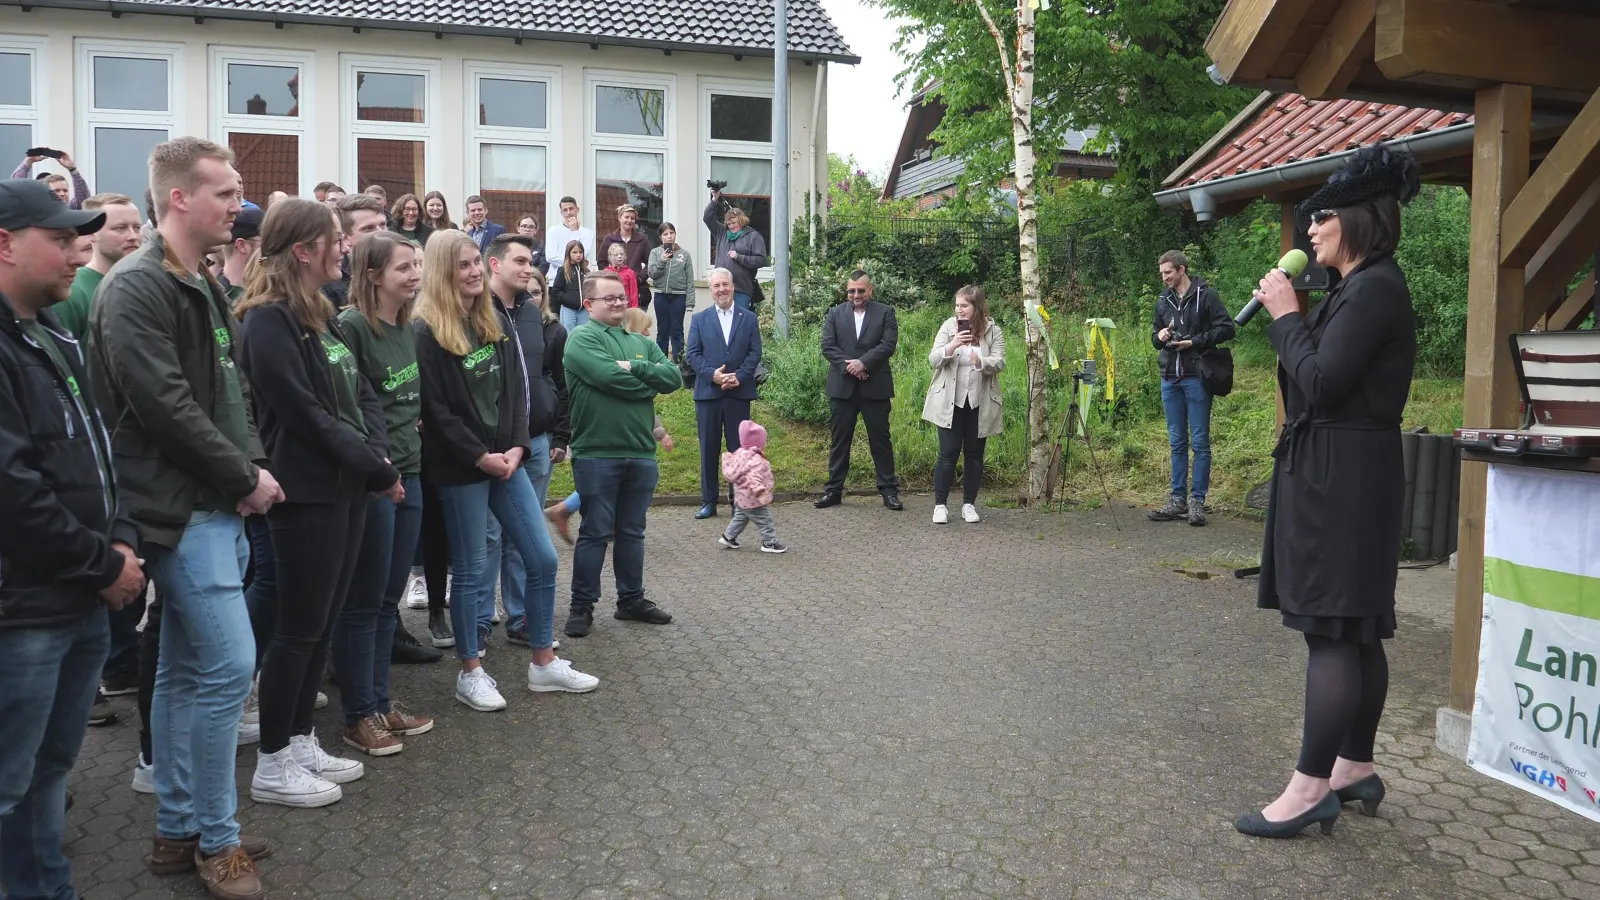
(200,11)
(1204,196)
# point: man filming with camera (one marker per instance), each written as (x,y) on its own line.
(1190,321)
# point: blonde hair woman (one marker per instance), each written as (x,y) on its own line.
(475,436)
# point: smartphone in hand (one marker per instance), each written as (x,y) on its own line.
(963,325)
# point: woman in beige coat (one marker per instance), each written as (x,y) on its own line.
(964,399)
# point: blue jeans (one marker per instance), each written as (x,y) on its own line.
(669,323)
(50,677)
(467,509)
(364,635)
(203,677)
(504,558)
(261,594)
(616,495)
(1188,408)
(572,318)
(741,300)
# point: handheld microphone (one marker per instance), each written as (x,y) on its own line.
(1292,264)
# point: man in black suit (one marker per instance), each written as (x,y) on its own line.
(724,350)
(858,338)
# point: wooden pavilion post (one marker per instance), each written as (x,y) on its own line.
(1501,145)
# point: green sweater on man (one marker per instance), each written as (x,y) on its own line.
(613,409)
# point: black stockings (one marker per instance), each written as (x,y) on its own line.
(1346,684)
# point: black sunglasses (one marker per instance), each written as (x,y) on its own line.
(1323,215)
(851,292)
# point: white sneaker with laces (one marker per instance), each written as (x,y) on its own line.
(417,593)
(308,753)
(969,512)
(144,777)
(941,515)
(559,675)
(281,780)
(477,690)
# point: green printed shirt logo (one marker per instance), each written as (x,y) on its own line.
(337,352)
(224,339)
(478,357)
(393,380)
(72,382)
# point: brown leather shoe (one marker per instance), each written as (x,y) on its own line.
(400,720)
(371,736)
(231,875)
(169,857)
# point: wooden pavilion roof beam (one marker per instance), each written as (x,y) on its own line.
(1251,35)
(1447,41)
(1560,182)
(1574,241)
(1571,312)
(1347,42)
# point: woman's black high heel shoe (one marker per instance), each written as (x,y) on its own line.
(1325,813)
(1368,790)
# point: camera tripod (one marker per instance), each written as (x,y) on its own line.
(1061,449)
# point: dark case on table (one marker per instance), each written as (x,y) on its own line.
(1559,374)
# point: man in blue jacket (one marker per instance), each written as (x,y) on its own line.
(67,552)
(479,228)
(724,350)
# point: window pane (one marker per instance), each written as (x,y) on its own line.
(121,159)
(385,97)
(622,110)
(125,82)
(735,118)
(511,104)
(631,178)
(16,80)
(263,90)
(749,188)
(511,179)
(15,140)
(397,165)
(266,163)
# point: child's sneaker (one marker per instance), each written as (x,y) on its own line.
(774,547)
(728,543)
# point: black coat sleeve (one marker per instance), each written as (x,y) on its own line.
(1327,367)
(1157,322)
(1219,325)
(434,367)
(282,384)
(516,385)
(555,345)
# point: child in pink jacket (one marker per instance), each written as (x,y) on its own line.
(751,474)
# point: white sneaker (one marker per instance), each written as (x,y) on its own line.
(249,732)
(252,706)
(559,675)
(308,753)
(969,512)
(417,593)
(144,777)
(941,515)
(322,700)
(281,780)
(477,690)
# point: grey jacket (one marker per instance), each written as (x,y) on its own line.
(671,276)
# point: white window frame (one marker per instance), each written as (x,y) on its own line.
(90,117)
(598,140)
(735,149)
(427,131)
(31,114)
(223,122)
(526,137)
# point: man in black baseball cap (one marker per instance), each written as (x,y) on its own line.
(67,551)
(237,253)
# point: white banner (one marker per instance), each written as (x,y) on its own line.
(1536,714)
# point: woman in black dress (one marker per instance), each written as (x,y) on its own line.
(1333,519)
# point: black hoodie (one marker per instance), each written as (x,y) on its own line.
(1198,316)
(542,344)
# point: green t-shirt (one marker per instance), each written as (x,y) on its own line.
(483,380)
(346,387)
(389,362)
(228,414)
(74,314)
(41,336)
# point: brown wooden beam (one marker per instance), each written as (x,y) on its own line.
(1251,35)
(1346,42)
(1571,167)
(1574,309)
(1501,143)
(1566,250)
(1486,42)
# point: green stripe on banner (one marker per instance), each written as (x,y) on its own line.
(1562,592)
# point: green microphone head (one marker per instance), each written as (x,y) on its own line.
(1293,262)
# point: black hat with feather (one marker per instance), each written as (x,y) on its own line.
(1372,172)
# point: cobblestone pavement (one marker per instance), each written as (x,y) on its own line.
(1036,706)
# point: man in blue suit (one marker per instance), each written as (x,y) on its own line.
(479,228)
(724,350)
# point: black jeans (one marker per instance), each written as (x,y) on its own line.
(435,548)
(876,414)
(961,438)
(316,546)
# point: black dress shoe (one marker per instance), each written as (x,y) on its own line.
(706,512)
(409,651)
(893,502)
(643,611)
(1325,813)
(829,498)
(1369,791)
(580,620)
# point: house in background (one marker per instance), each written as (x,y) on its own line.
(920,171)
(611,102)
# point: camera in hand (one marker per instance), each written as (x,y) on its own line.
(1172,343)
(716,185)
(45,152)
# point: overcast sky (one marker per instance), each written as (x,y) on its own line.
(865,111)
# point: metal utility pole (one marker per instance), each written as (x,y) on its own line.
(780,167)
